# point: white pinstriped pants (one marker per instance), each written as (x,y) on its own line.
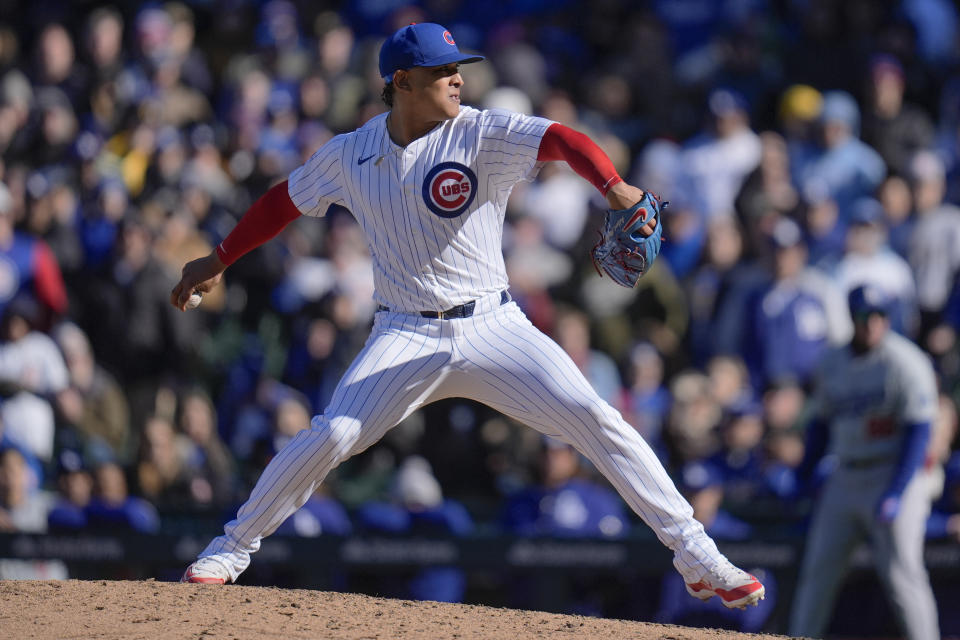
(496,357)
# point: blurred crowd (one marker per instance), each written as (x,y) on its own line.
(805,146)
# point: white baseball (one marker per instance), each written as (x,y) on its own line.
(194,301)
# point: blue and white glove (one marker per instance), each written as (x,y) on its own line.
(622,252)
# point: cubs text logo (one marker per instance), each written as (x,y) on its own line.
(449,188)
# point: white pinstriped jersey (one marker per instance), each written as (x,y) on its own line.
(432,211)
(433,216)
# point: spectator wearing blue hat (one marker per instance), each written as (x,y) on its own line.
(704,485)
(789,326)
(75,490)
(742,461)
(845,165)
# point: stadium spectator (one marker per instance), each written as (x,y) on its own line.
(534,266)
(718,292)
(646,400)
(847,167)
(798,112)
(94,404)
(28,266)
(56,65)
(768,192)
(417,506)
(897,200)
(23,506)
(75,490)
(789,327)
(868,260)
(320,515)
(562,503)
(740,461)
(824,231)
(32,372)
(934,252)
(895,128)
(690,432)
(162,472)
(142,339)
(210,462)
(113,508)
(717,161)
(572,333)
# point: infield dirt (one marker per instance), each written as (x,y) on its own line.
(105,609)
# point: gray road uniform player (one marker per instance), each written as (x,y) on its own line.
(875,401)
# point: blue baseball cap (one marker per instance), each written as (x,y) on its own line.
(423,44)
(867,299)
(866,210)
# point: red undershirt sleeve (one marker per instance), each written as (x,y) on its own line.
(588,160)
(265,218)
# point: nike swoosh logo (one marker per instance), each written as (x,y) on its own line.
(362,160)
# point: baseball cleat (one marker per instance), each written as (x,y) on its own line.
(736,588)
(206,571)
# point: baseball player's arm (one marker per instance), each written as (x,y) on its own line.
(588,160)
(912,454)
(266,218)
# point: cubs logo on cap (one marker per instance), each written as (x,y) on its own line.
(449,188)
(423,44)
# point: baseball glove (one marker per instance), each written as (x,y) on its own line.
(622,253)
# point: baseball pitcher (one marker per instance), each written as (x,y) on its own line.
(428,182)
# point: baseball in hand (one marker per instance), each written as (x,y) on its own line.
(194,301)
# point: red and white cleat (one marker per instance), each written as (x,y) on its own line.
(206,571)
(735,587)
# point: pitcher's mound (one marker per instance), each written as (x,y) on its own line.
(106,609)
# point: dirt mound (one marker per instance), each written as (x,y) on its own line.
(106,609)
